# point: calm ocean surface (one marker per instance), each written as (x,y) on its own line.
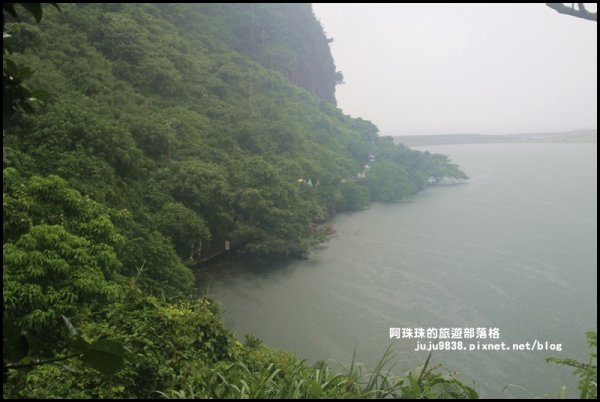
(515,248)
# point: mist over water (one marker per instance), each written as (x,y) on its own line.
(514,248)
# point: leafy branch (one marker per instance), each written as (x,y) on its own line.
(104,355)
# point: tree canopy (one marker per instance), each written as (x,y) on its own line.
(171,129)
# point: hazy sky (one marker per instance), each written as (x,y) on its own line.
(493,69)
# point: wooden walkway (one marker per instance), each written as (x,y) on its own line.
(210,257)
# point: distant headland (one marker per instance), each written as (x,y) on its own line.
(579,136)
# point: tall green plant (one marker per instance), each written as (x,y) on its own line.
(586,371)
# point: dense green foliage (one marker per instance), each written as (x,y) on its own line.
(173,128)
(155,113)
(17,95)
(282,37)
(182,350)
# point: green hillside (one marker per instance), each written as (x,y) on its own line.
(171,129)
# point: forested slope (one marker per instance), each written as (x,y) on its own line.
(171,129)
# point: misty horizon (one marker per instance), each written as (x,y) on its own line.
(424,69)
(466,132)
